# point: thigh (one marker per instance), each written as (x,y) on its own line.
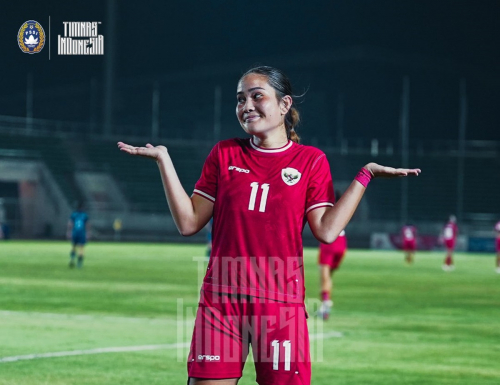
(218,350)
(280,344)
(337,259)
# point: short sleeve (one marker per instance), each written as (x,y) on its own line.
(207,184)
(320,188)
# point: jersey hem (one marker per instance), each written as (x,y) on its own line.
(257,293)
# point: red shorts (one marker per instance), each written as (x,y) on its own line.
(409,245)
(333,253)
(498,245)
(449,243)
(227,324)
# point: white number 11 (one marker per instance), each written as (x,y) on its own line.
(263,198)
(276,354)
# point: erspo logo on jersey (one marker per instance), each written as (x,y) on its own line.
(80,38)
(239,169)
(31,37)
(207,357)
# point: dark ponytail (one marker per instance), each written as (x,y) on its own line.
(281,84)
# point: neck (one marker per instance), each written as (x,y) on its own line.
(269,140)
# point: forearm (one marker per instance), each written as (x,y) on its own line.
(327,223)
(179,202)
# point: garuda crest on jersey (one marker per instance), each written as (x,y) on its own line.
(290,176)
(31,37)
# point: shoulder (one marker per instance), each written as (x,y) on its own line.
(311,150)
(312,154)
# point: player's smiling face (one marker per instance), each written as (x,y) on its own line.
(257,108)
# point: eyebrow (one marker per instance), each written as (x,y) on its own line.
(251,89)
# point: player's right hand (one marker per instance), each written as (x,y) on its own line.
(149,151)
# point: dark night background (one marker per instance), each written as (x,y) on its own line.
(360,50)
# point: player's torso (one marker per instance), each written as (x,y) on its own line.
(450,231)
(79,220)
(261,196)
(409,233)
(259,186)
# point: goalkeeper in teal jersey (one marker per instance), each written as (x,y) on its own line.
(78,230)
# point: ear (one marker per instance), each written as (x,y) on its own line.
(285,104)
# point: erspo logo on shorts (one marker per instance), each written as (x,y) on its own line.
(238,169)
(207,357)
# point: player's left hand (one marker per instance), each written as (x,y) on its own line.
(379,171)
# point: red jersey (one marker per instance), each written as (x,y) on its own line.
(409,233)
(261,198)
(450,231)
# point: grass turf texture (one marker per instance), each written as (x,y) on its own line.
(401,324)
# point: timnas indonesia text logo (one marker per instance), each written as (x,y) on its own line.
(31,37)
(80,38)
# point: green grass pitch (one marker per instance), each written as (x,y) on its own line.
(400,324)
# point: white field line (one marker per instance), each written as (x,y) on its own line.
(129,349)
(84,317)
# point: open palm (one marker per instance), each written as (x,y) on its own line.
(379,171)
(149,151)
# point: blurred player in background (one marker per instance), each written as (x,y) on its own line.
(497,241)
(409,238)
(450,232)
(78,230)
(260,191)
(329,260)
(117,229)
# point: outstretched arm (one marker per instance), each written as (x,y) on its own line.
(327,222)
(190,214)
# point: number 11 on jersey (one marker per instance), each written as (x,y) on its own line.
(263,198)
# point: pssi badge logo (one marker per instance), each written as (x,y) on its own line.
(290,176)
(80,38)
(31,37)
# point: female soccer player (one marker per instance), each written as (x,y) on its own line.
(260,191)
(409,237)
(450,232)
(329,259)
(78,230)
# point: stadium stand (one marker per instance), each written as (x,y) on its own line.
(53,151)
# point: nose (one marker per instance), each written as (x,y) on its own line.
(248,106)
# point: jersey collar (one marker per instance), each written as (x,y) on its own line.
(271,150)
